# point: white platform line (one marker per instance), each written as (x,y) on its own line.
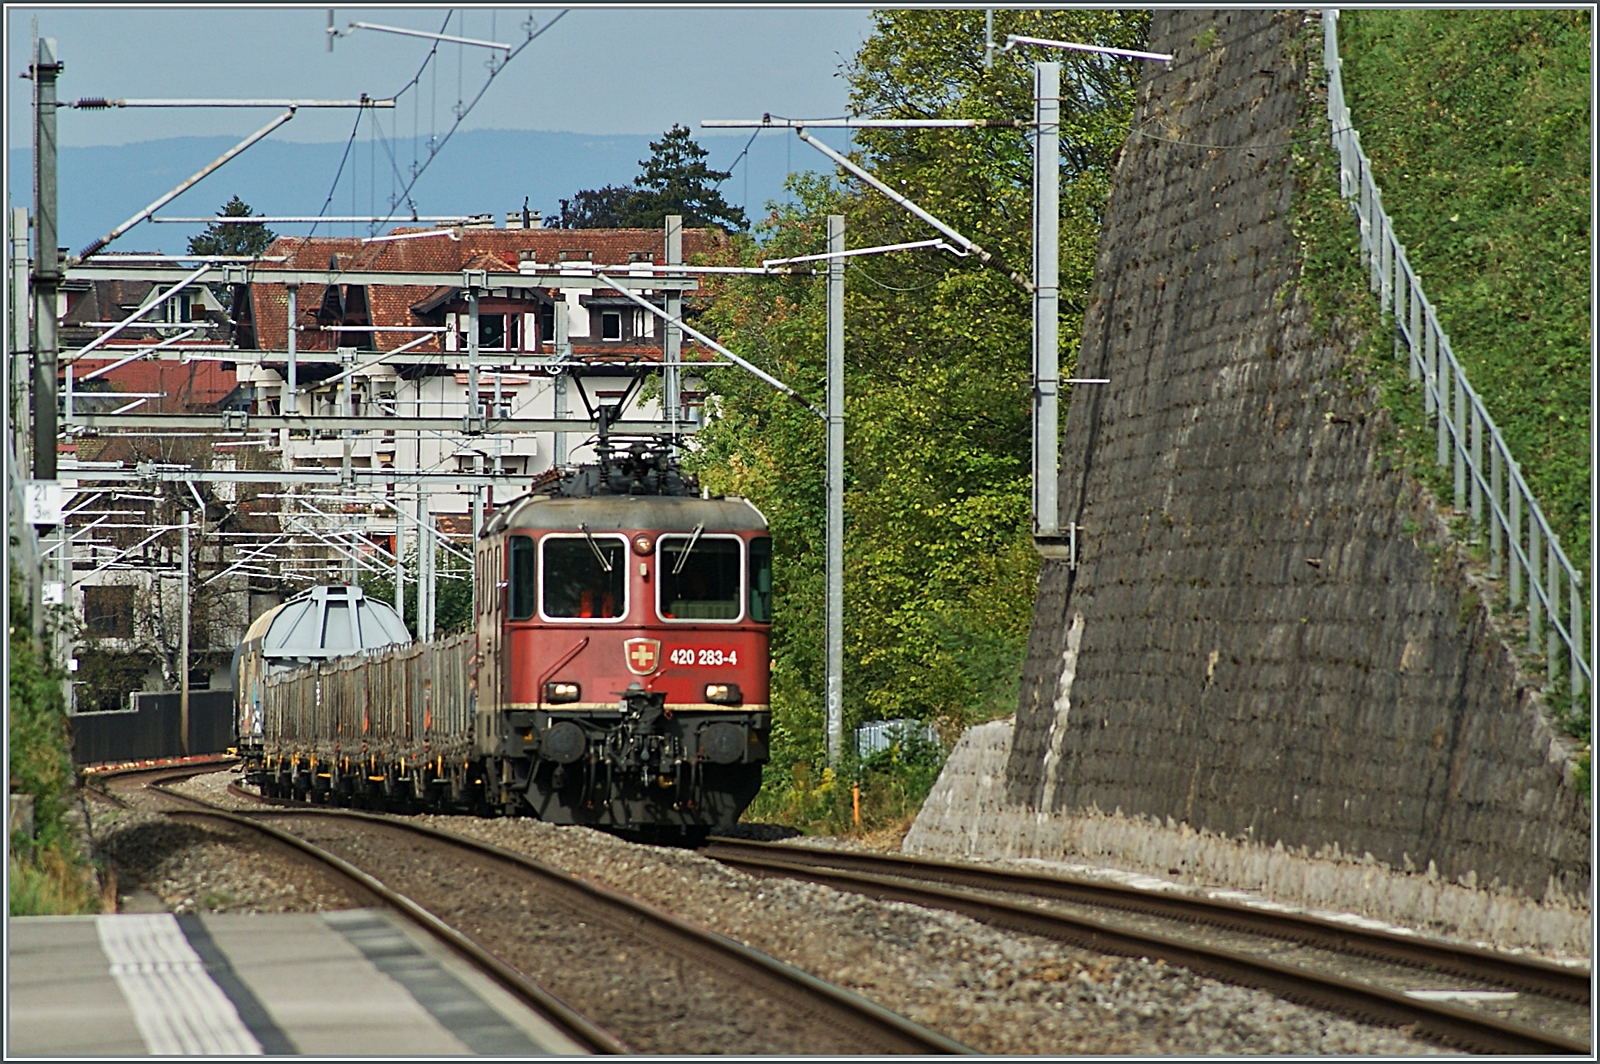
(178,1008)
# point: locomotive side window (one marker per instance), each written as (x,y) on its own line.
(585,576)
(524,579)
(699,578)
(761,580)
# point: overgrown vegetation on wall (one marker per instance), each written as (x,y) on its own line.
(1336,285)
(49,874)
(1477,123)
(940,567)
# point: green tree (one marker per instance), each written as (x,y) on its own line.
(598,208)
(940,568)
(233,239)
(674,180)
(452,611)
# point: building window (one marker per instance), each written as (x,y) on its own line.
(108,611)
(611,325)
(491,332)
(547,322)
(495,332)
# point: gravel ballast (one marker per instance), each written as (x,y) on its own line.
(992,990)
(190,867)
(995,991)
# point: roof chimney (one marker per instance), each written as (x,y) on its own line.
(524,219)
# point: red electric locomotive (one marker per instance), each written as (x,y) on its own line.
(622,648)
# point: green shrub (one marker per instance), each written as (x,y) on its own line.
(48,872)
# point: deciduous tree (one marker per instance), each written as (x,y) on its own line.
(940,567)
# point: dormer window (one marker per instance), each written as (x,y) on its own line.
(574,255)
(491,332)
(496,332)
(611,325)
(639,256)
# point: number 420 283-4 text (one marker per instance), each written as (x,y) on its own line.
(703,656)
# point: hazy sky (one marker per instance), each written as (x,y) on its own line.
(597,70)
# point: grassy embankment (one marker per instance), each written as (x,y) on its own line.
(1477,123)
(1479,131)
(49,874)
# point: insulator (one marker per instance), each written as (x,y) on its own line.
(92,103)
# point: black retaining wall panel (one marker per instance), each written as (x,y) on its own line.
(152,728)
(1277,642)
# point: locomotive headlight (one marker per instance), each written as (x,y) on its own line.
(642,545)
(562,692)
(726,694)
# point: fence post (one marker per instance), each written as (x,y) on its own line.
(1400,293)
(1385,258)
(1369,242)
(1533,586)
(1460,439)
(1515,535)
(1430,363)
(1477,470)
(1417,343)
(1443,412)
(1552,592)
(1575,629)
(1497,494)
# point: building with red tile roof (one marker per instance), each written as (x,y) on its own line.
(263,314)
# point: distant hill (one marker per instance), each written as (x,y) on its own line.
(478,171)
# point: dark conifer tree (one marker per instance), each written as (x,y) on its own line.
(233,239)
(674,180)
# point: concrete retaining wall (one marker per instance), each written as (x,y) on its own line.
(1270,643)
(967,816)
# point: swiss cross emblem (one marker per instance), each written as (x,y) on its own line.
(642,655)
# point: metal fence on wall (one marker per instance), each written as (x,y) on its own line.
(1522,547)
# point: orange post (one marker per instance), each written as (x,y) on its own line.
(855,802)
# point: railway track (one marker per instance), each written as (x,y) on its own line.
(154,778)
(654,981)
(108,783)
(1369,975)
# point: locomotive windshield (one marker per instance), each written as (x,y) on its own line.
(584,576)
(699,578)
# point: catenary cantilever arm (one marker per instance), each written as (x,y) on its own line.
(967,245)
(748,367)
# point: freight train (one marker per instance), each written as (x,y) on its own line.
(616,674)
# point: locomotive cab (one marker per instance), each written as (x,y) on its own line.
(623,652)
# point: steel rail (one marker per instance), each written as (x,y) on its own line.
(889,1031)
(571,1022)
(1527,974)
(97,778)
(1447,1024)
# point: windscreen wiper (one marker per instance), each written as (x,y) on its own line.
(599,556)
(694,537)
